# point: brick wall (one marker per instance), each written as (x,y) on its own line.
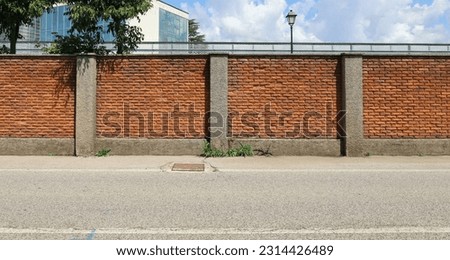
(284,97)
(269,96)
(406,97)
(37,97)
(152,96)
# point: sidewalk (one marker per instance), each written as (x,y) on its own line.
(164,163)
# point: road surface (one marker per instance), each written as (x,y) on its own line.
(352,201)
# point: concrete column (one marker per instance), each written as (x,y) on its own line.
(218,119)
(86,105)
(352,74)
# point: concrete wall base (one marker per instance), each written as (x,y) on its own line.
(409,147)
(151,146)
(37,146)
(292,147)
(276,147)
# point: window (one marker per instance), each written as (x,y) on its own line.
(172,28)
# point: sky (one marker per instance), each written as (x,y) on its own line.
(365,21)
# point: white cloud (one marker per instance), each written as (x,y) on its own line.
(380,21)
(244,20)
(324,20)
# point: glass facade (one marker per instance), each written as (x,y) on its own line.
(56,22)
(172,28)
(31,32)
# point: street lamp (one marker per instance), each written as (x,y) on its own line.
(291,21)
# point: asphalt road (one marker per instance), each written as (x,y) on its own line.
(354,203)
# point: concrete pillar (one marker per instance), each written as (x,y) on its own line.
(218,118)
(352,74)
(86,105)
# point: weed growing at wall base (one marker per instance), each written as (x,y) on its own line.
(209,151)
(103,153)
(243,151)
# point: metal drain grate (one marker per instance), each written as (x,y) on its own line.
(188,167)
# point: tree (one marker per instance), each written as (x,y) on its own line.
(85,15)
(194,34)
(14,14)
(72,44)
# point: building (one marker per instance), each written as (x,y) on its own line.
(56,22)
(29,32)
(162,23)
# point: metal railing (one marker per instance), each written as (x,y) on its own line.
(270,48)
(258,47)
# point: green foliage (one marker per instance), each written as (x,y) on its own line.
(103,153)
(127,38)
(73,44)
(194,34)
(242,151)
(14,14)
(85,15)
(208,151)
(4,50)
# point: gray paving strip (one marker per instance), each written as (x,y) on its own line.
(153,170)
(230,231)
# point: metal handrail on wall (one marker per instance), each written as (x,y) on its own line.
(259,47)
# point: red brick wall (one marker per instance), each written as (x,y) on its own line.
(269,96)
(284,97)
(37,97)
(406,97)
(173,88)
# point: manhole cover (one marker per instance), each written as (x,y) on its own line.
(188,167)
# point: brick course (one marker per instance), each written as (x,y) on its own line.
(406,97)
(130,89)
(284,97)
(37,97)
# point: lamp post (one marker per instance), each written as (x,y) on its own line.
(291,21)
